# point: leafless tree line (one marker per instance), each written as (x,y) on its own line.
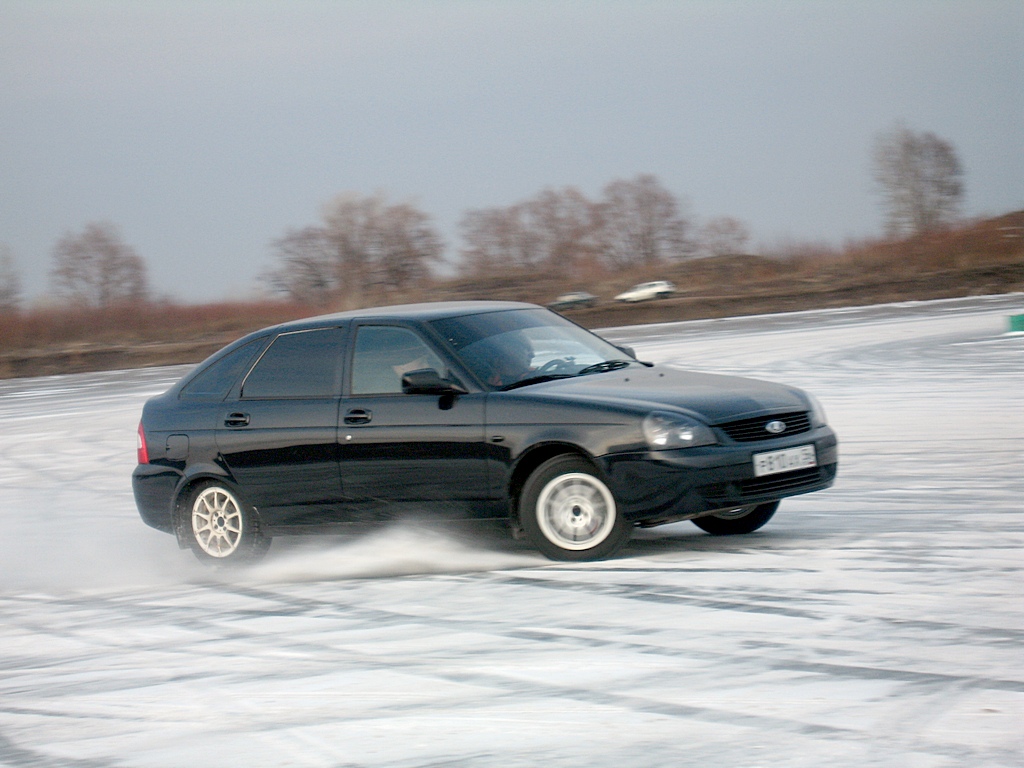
(635,222)
(366,247)
(364,244)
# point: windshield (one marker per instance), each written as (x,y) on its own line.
(520,346)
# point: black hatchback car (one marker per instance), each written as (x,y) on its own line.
(465,410)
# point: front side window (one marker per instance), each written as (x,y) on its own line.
(299,364)
(383,354)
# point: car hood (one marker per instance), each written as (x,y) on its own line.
(712,398)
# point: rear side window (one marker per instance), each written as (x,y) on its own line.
(300,364)
(215,381)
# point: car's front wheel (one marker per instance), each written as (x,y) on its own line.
(569,513)
(220,528)
(739,520)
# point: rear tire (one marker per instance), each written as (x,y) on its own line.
(220,528)
(737,521)
(568,512)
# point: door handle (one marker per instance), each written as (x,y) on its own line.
(358,416)
(236,420)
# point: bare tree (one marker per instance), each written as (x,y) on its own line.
(920,178)
(723,236)
(352,225)
(306,271)
(409,245)
(96,268)
(557,229)
(641,223)
(565,224)
(10,282)
(499,238)
(386,246)
(364,243)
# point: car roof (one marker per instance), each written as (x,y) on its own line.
(423,312)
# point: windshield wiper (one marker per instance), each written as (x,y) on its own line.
(604,365)
(535,380)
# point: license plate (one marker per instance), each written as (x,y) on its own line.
(784,461)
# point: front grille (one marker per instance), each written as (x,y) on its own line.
(751,430)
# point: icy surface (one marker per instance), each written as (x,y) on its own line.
(879,623)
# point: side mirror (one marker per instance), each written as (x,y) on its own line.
(427,381)
(628,350)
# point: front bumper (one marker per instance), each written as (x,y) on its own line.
(655,487)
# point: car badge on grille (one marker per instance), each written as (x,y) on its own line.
(775,427)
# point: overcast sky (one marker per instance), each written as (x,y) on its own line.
(204,130)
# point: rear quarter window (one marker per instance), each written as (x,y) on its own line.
(217,379)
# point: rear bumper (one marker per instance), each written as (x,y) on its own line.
(154,488)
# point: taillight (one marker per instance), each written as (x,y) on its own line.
(143,451)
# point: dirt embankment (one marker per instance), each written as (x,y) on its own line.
(800,296)
(98,356)
(83,357)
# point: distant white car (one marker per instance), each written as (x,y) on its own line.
(646,291)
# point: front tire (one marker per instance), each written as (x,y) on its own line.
(737,521)
(568,512)
(220,528)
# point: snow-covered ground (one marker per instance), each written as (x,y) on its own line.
(880,623)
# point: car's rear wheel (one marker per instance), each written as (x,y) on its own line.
(220,528)
(569,513)
(737,520)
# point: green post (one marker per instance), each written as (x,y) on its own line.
(1016,323)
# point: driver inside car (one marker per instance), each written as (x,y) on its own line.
(507,359)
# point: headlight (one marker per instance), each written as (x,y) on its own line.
(818,418)
(664,431)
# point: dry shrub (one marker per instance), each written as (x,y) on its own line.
(138,323)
